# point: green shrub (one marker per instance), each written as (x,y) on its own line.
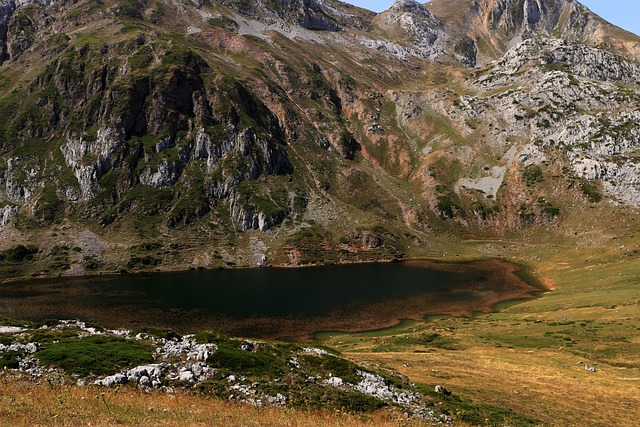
(261,362)
(591,191)
(334,398)
(447,207)
(223,22)
(19,253)
(129,9)
(206,337)
(476,413)
(532,174)
(97,355)
(10,360)
(141,262)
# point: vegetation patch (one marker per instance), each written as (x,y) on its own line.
(532,174)
(19,253)
(590,191)
(95,355)
(10,359)
(477,414)
(418,342)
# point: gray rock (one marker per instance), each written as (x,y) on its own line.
(376,386)
(144,381)
(6,214)
(440,389)
(247,346)
(277,400)
(32,347)
(166,174)
(102,152)
(112,380)
(335,381)
(187,376)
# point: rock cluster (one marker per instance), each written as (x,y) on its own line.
(145,376)
(182,362)
(376,386)
(29,348)
(316,15)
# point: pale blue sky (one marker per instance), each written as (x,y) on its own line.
(623,13)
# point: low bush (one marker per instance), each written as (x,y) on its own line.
(97,355)
(19,253)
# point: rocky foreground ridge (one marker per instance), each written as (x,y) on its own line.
(198,134)
(252,372)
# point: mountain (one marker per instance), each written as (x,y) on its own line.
(197,134)
(497,25)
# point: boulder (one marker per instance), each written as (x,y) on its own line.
(335,381)
(441,390)
(187,376)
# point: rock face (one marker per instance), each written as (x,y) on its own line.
(330,129)
(90,160)
(425,29)
(317,15)
(498,25)
(532,16)
(426,34)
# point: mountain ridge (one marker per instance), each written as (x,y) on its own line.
(241,133)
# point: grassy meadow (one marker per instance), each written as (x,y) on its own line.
(522,365)
(530,357)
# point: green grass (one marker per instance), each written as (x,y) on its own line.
(418,342)
(95,355)
(262,362)
(590,191)
(477,414)
(10,359)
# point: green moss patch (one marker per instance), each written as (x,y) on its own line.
(95,355)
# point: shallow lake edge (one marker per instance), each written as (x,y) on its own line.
(520,271)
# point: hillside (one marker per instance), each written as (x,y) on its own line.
(157,135)
(170,135)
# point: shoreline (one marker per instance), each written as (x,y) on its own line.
(492,282)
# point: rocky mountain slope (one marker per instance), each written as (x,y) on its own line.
(165,134)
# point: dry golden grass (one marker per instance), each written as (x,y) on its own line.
(525,357)
(27,403)
(546,385)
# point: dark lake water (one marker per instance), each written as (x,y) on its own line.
(272,303)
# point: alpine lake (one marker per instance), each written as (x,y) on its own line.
(275,303)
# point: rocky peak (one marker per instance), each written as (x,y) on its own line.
(422,29)
(425,33)
(7,7)
(310,14)
(497,25)
(411,8)
(515,17)
(411,5)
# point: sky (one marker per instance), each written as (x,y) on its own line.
(623,13)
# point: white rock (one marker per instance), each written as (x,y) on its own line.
(186,376)
(335,381)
